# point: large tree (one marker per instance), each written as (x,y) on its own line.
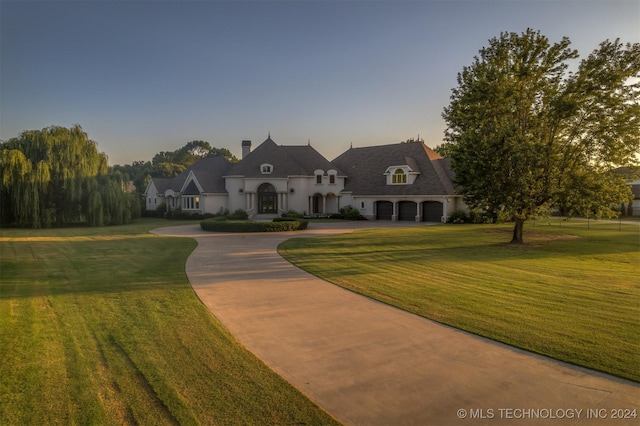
(527,133)
(57,176)
(172,163)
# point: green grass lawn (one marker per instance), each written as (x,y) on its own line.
(571,292)
(100,326)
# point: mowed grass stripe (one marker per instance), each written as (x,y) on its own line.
(100,326)
(571,293)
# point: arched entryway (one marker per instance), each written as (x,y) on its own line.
(432,211)
(267,199)
(384,210)
(316,204)
(407,210)
(331,203)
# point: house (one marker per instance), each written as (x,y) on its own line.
(406,181)
(633,208)
(200,188)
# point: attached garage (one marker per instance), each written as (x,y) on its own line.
(407,210)
(431,211)
(384,210)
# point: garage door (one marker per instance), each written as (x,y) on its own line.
(407,210)
(431,211)
(384,210)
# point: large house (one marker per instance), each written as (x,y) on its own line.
(405,181)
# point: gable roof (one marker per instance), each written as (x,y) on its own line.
(208,171)
(162,184)
(294,160)
(365,169)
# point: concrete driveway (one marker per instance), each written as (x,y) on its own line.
(367,363)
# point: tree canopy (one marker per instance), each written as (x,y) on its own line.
(171,163)
(526,133)
(57,176)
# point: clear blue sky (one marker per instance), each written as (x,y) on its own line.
(148,76)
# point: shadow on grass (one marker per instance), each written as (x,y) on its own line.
(96,266)
(469,244)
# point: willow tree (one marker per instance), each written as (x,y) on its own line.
(48,176)
(527,134)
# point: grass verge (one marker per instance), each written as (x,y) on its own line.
(571,293)
(100,326)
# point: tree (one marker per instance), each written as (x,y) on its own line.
(170,164)
(444,149)
(526,134)
(56,176)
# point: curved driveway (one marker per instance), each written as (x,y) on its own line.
(367,363)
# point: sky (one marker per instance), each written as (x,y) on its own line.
(147,76)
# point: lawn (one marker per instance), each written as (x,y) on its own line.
(571,293)
(100,326)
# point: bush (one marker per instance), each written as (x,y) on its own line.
(293,214)
(161,209)
(481,216)
(350,213)
(220,225)
(179,214)
(459,216)
(238,215)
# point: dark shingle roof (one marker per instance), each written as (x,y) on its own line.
(209,172)
(162,184)
(296,160)
(365,167)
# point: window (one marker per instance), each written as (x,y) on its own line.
(332,179)
(318,178)
(266,169)
(191,203)
(399,176)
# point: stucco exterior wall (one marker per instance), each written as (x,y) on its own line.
(153,199)
(213,203)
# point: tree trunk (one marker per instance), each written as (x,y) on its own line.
(517,231)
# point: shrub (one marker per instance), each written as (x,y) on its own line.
(459,216)
(480,216)
(239,215)
(293,214)
(351,213)
(161,209)
(218,225)
(179,214)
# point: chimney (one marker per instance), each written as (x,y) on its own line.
(246,148)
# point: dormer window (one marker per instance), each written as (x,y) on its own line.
(399,176)
(266,169)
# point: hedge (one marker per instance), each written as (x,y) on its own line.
(214,225)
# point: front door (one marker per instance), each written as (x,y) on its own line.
(267,199)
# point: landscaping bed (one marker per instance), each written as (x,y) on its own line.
(221,224)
